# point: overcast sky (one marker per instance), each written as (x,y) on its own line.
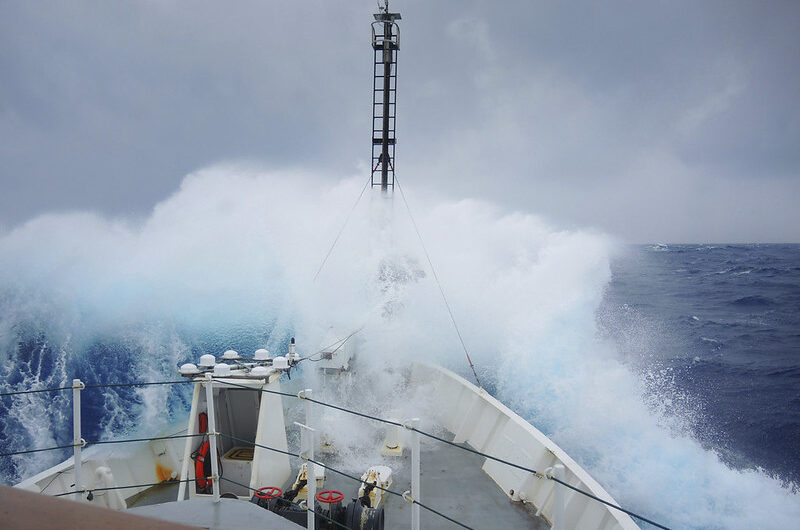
(654,121)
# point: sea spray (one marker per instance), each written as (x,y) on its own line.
(229,261)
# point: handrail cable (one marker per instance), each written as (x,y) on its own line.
(268,391)
(18,392)
(101,442)
(337,523)
(347,220)
(438,283)
(39,450)
(312,400)
(144,383)
(128,440)
(465,448)
(108,385)
(540,474)
(349,411)
(342,473)
(165,483)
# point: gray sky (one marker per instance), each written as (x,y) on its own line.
(655,121)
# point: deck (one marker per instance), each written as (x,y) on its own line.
(452,482)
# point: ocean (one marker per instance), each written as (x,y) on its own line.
(670,372)
(724,322)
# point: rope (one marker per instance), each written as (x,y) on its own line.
(52,480)
(322,403)
(176,436)
(438,283)
(440,514)
(17,392)
(40,450)
(448,442)
(342,473)
(347,219)
(101,442)
(340,342)
(473,451)
(165,483)
(111,385)
(609,504)
(337,523)
(523,468)
(268,391)
(356,413)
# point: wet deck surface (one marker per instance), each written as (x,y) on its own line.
(453,483)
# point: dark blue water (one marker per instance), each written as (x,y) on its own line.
(723,322)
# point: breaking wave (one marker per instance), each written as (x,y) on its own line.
(229,261)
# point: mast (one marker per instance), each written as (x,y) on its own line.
(385,43)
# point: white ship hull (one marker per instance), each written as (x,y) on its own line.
(469,414)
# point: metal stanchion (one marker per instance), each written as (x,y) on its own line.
(188,445)
(212,436)
(307,454)
(558,500)
(416,491)
(77,386)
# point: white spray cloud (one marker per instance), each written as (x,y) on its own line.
(237,249)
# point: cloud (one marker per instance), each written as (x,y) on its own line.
(547,108)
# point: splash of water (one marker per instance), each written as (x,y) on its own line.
(228,261)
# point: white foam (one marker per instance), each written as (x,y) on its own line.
(237,249)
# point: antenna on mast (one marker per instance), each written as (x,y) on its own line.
(385,44)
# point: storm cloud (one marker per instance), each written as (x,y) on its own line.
(654,121)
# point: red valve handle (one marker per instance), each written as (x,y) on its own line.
(330,496)
(269,492)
